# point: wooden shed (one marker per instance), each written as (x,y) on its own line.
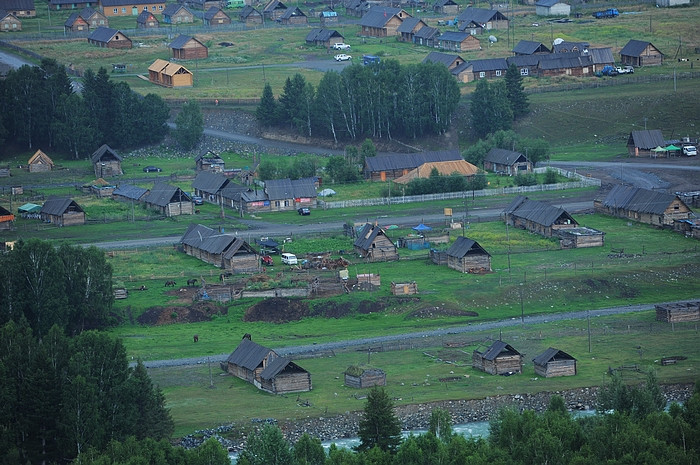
(106,162)
(360,377)
(498,359)
(169,200)
(147,20)
(9,22)
(222,250)
(507,162)
(679,311)
(446,7)
(188,48)
(554,362)
(216,17)
(537,217)
(643,205)
(40,162)
(293,16)
(580,237)
(467,256)
(641,53)
(167,74)
(62,211)
(456,41)
(373,245)
(250,16)
(6,218)
(324,37)
(109,38)
(274,9)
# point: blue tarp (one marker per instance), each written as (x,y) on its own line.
(422,227)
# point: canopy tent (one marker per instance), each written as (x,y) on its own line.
(658,151)
(391,226)
(29,208)
(672,147)
(422,227)
(327,193)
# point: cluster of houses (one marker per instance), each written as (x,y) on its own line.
(500,358)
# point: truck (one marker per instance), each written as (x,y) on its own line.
(608,70)
(609,13)
(370,59)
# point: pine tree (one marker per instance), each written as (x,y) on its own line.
(516,93)
(379,425)
(266,113)
(190,125)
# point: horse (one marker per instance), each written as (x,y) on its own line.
(192,282)
(142,288)
(196,338)
(169,283)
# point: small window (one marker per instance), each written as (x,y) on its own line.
(524,72)
(482,74)
(498,72)
(123,10)
(153,8)
(160,7)
(145,8)
(115,11)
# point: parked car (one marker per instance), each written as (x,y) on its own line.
(370,60)
(197,200)
(608,70)
(690,150)
(342,57)
(624,69)
(267,260)
(289,259)
(152,169)
(303,211)
(340,46)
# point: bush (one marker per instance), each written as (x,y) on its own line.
(550,177)
(528,179)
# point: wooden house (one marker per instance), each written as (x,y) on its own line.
(530,47)
(382,21)
(498,359)
(208,185)
(215,16)
(568,46)
(580,237)
(147,20)
(361,377)
(478,20)
(527,65)
(176,13)
(266,370)
(458,42)
(40,162)
(188,48)
(324,37)
(169,200)
(328,18)
(488,68)
(467,256)
(643,205)
(221,250)
(250,16)
(537,217)
(506,162)
(6,218)
(106,162)
(75,23)
(552,8)
(357,8)
(426,36)
(678,311)
(373,245)
(290,194)
(273,10)
(57,5)
(62,211)
(600,57)
(642,143)
(129,193)
(109,38)
(446,7)
(205,5)
(9,22)
(19,8)
(554,362)
(93,18)
(565,64)
(641,53)
(245,199)
(209,161)
(408,29)
(292,16)
(386,167)
(133,8)
(167,74)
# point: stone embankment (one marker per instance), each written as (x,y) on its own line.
(415,416)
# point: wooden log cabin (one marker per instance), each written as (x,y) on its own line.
(467,256)
(169,200)
(361,377)
(678,312)
(385,167)
(188,48)
(40,163)
(62,211)
(498,359)
(554,362)
(106,162)
(373,245)
(221,250)
(537,217)
(643,205)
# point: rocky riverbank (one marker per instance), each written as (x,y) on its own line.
(415,416)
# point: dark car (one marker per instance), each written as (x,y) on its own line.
(197,200)
(304,211)
(152,169)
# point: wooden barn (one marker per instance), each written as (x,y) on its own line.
(479,20)
(109,38)
(381,21)
(62,211)
(6,218)
(9,22)
(209,161)
(641,53)
(361,377)
(455,41)
(250,16)
(446,7)
(373,245)
(106,162)
(221,250)
(292,16)
(554,362)
(169,200)
(216,17)
(167,74)
(467,256)
(188,48)
(324,37)
(265,369)
(40,162)
(274,9)
(643,205)
(580,237)
(129,193)
(678,312)
(642,143)
(506,162)
(450,60)
(537,217)
(176,13)
(386,167)
(147,20)
(208,186)
(498,359)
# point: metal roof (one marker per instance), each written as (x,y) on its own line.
(537,212)
(211,12)
(111,3)
(59,205)
(291,12)
(279,189)
(105,152)
(647,139)
(206,239)
(322,35)
(635,48)
(550,354)
(162,194)
(173,8)
(104,34)
(130,192)
(366,236)
(378,16)
(181,40)
(489,64)
(528,47)
(639,200)
(523,60)
(504,157)
(454,36)
(408,25)
(564,60)
(249,355)
(427,32)
(446,59)
(549,3)
(480,16)
(498,348)
(409,160)
(12,5)
(463,246)
(209,182)
(233,190)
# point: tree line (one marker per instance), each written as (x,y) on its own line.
(44,110)
(380,101)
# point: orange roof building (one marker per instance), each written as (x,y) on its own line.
(40,162)
(445,168)
(169,74)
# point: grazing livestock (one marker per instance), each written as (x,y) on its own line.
(169,283)
(196,338)
(191,282)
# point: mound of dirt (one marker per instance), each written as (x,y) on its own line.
(277,310)
(437,312)
(201,311)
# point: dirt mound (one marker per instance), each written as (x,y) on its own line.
(437,312)
(277,310)
(202,311)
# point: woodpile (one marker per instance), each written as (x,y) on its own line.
(404,288)
(120,293)
(678,312)
(324,262)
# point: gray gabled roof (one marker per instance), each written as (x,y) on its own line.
(367,235)
(463,246)
(143,17)
(409,160)
(172,8)
(209,156)
(13,5)
(322,35)
(58,205)
(548,3)
(408,25)
(239,246)
(130,191)
(634,48)
(439,3)
(249,10)
(528,47)
(104,34)
(206,239)
(234,191)
(523,60)
(504,157)
(249,355)
(427,32)
(639,200)
(454,36)
(378,16)
(209,182)
(290,12)
(488,64)
(162,194)
(279,189)
(537,212)
(181,40)
(278,365)
(498,348)
(105,152)
(602,55)
(569,46)
(211,12)
(647,139)
(446,59)
(550,354)
(87,12)
(111,3)
(480,16)
(69,22)
(564,60)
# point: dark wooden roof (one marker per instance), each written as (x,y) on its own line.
(635,48)
(602,55)
(162,194)
(367,235)
(291,12)
(278,365)
(249,10)
(454,36)
(172,8)
(59,205)
(209,182)
(322,35)
(537,212)
(130,192)
(279,189)
(498,348)
(111,3)
(181,40)
(105,152)
(564,60)
(211,12)
(646,139)
(378,16)
(69,22)
(104,34)
(275,5)
(143,17)
(233,191)
(489,64)
(480,16)
(551,354)
(87,12)
(439,3)
(524,60)
(443,58)
(409,160)
(463,246)
(504,157)
(206,239)
(13,5)
(4,211)
(427,32)
(528,47)
(249,355)
(239,246)
(566,46)
(639,200)
(408,24)
(209,157)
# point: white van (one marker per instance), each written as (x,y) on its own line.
(289,259)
